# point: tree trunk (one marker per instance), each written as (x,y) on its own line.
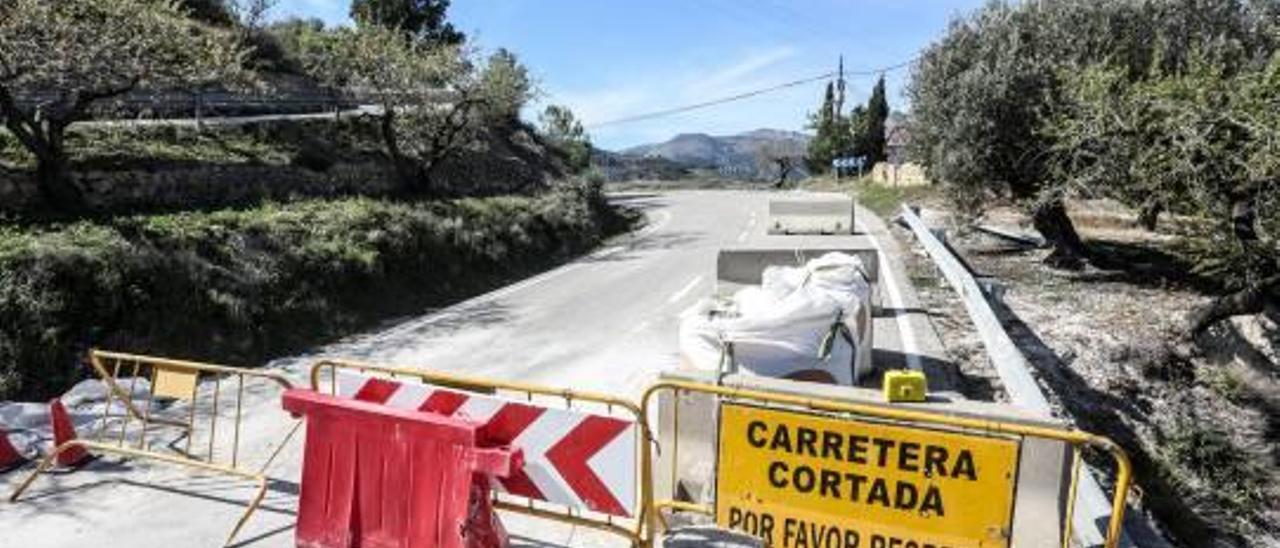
(1051,220)
(1251,300)
(1150,215)
(405,176)
(45,139)
(57,189)
(53,175)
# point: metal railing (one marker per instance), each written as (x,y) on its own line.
(901,415)
(180,402)
(324,376)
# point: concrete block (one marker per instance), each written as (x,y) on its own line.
(811,213)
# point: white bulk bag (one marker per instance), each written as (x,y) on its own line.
(778,328)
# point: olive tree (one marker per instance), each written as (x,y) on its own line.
(977,97)
(1113,142)
(60,59)
(1204,144)
(421,20)
(1189,125)
(777,159)
(566,133)
(433,100)
(506,85)
(214,12)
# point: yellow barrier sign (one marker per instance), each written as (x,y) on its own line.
(814,481)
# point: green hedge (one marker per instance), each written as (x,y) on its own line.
(241,286)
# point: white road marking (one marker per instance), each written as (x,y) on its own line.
(684,291)
(909,345)
(654,227)
(743,237)
(606,252)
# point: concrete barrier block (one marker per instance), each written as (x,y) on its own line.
(811,214)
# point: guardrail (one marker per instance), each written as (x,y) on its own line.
(1092,506)
(212,106)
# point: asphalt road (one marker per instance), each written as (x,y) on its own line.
(606,322)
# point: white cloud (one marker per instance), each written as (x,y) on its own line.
(724,80)
(599,105)
(756,68)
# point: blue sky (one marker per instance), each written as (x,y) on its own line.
(608,59)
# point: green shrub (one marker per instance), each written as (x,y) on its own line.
(1214,473)
(241,286)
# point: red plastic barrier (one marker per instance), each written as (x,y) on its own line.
(377,476)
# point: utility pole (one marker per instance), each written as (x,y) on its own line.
(840,89)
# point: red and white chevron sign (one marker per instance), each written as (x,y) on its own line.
(574,458)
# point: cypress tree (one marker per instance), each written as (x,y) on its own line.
(877,113)
(822,148)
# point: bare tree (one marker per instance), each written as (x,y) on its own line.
(777,159)
(59,59)
(253,13)
(433,99)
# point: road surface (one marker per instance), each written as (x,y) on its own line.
(606,322)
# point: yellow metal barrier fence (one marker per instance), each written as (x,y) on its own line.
(179,397)
(912,417)
(324,376)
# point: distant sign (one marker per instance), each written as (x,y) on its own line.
(854,162)
(803,480)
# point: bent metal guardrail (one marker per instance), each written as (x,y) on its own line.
(1010,364)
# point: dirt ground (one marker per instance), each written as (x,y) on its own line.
(1201,418)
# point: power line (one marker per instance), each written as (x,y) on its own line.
(713,102)
(745,95)
(882,70)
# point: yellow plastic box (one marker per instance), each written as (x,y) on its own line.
(905,385)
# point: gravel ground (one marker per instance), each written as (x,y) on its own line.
(1200,418)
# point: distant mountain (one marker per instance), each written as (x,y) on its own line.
(626,167)
(731,155)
